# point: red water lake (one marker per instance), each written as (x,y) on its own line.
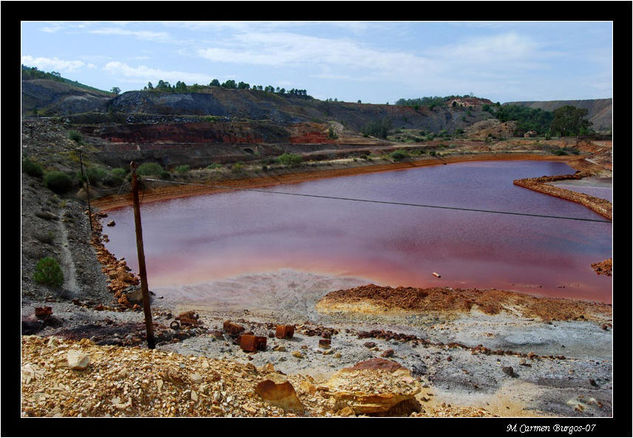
(204,238)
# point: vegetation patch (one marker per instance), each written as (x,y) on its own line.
(399,155)
(32,168)
(48,272)
(290,160)
(57,181)
(150,168)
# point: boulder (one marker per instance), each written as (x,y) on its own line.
(376,387)
(282,395)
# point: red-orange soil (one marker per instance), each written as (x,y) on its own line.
(378,299)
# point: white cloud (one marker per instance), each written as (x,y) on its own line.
(54,64)
(288,49)
(145,73)
(140,34)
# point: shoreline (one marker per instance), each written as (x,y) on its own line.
(184,190)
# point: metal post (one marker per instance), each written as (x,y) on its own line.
(81,163)
(141,260)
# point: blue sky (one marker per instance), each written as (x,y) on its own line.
(375,62)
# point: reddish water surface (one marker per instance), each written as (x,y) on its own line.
(205,238)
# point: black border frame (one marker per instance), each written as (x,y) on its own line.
(13,13)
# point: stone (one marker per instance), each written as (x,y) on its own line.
(376,387)
(346,412)
(77,360)
(297,354)
(111,223)
(189,318)
(285,331)
(369,344)
(279,348)
(282,395)
(324,343)
(232,328)
(252,343)
(43,312)
(387,353)
(509,371)
(195,378)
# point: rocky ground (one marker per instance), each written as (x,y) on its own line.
(457,363)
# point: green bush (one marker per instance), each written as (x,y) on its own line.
(214,166)
(183,168)
(154,169)
(399,155)
(32,168)
(290,159)
(48,272)
(119,171)
(57,181)
(75,136)
(165,175)
(96,175)
(237,167)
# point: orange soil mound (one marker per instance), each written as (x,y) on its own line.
(604,267)
(374,299)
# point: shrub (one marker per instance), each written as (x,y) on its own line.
(183,168)
(237,167)
(559,152)
(149,169)
(75,136)
(331,133)
(290,159)
(399,155)
(118,171)
(96,174)
(32,168)
(58,181)
(378,128)
(165,175)
(48,272)
(214,166)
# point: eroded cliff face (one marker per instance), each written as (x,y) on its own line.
(192,132)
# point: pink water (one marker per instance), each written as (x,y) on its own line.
(205,238)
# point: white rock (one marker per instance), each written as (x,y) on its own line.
(196,378)
(77,360)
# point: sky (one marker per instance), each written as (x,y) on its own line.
(374,62)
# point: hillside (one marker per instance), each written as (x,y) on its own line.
(46,96)
(600,110)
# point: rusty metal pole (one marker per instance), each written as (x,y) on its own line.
(81,163)
(151,343)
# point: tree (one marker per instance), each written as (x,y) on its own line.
(243,86)
(115,90)
(569,120)
(149,86)
(215,83)
(229,84)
